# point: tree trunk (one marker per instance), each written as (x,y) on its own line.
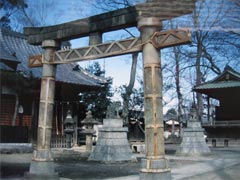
(198,62)
(199,75)
(129,89)
(178,88)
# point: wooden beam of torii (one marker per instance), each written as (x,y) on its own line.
(159,40)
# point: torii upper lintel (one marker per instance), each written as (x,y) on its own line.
(114,20)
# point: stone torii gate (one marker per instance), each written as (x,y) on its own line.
(148,18)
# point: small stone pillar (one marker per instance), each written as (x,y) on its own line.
(95,38)
(193,141)
(155,165)
(42,165)
(89,131)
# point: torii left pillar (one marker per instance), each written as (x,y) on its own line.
(42,165)
(155,165)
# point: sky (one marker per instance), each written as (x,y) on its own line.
(117,67)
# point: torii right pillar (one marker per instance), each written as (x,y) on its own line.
(155,165)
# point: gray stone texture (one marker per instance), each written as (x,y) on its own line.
(109,21)
(42,170)
(155,169)
(112,145)
(42,165)
(193,141)
(152,176)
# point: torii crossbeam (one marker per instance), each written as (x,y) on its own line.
(148,17)
(159,40)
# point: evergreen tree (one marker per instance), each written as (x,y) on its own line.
(98,100)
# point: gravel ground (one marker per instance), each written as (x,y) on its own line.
(231,173)
(13,166)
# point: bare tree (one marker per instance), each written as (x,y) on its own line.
(108,5)
(129,88)
(209,47)
(9,9)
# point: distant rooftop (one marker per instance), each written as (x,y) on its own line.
(229,80)
(16,50)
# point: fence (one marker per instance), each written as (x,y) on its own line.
(58,140)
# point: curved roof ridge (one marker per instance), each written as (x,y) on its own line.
(101,79)
(227,69)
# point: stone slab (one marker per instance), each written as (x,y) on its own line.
(118,123)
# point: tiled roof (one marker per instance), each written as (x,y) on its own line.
(14,47)
(227,79)
(228,71)
(5,52)
(219,85)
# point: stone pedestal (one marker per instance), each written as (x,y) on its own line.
(112,145)
(193,141)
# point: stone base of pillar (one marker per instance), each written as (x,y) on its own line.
(42,166)
(155,169)
(42,170)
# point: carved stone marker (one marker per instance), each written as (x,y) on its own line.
(112,145)
(193,141)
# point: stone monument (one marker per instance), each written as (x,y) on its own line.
(193,141)
(112,144)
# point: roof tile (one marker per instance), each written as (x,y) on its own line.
(15,43)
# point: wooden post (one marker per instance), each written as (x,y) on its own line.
(42,166)
(155,166)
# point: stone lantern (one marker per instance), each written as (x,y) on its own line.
(69,128)
(89,131)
